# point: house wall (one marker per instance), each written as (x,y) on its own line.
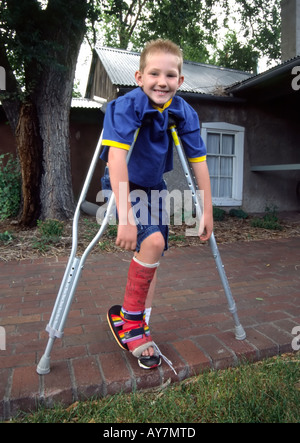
(101,86)
(271,137)
(85,129)
(7,139)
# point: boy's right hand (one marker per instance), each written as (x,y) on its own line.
(127,237)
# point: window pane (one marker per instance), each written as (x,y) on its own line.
(228,144)
(213,143)
(214,186)
(226,167)
(225,154)
(213,166)
(220,158)
(226,187)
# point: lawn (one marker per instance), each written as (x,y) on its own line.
(264,392)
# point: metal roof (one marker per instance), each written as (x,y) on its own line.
(200,78)
(264,77)
(84,103)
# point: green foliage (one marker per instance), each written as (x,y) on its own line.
(91,229)
(51,229)
(269,221)
(195,26)
(238,213)
(6,237)
(10,186)
(261,25)
(50,232)
(235,55)
(218,214)
(191,24)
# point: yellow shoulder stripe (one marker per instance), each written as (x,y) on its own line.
(197,159)
(115,144)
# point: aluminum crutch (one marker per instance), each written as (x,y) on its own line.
(239,330)
(75,264)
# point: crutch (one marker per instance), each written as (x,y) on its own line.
(75,264)
(239,330)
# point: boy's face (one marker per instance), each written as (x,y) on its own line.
(160,79)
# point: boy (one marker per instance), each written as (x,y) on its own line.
(147,107)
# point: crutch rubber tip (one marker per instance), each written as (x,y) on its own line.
(240,333)
(43,367)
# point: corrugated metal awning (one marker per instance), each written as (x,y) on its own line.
(84,103)
(200,78)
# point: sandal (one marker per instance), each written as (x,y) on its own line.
(135,330)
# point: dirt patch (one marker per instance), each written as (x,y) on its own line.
(20,244)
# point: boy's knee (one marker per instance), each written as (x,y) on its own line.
(152,248)
(157,242)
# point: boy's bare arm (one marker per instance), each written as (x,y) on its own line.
(203,182)
(127,231)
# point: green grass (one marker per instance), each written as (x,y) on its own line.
(264,392)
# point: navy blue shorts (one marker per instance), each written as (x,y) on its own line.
(149,208)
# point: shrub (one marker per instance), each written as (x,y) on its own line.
(6,237)
(239,213)
(10,186)
(219,214)
(50,232)
(269,221)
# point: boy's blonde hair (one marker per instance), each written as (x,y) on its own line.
(161,45)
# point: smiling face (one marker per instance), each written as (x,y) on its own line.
(161,78)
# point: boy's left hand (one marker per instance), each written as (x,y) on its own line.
(206,228)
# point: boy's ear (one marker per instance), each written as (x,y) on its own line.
(139,78)
(180,81)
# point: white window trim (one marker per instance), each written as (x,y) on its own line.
(238,164)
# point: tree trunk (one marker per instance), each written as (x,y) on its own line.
(29,148)
(49,42)
(54,104)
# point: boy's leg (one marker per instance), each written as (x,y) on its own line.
(152,248)
(140,276)
(149,299)
(146,254)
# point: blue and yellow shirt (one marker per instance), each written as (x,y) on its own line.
(152,154)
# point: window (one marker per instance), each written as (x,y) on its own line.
(225,159)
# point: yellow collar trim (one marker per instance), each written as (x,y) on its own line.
(164,107)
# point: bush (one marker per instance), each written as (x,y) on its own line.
(50,232)
(219,214)
(10,186)
(6,237)
(269,221)
(239,213)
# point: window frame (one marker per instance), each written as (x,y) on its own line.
(238,159)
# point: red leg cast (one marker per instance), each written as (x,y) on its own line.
(135,332)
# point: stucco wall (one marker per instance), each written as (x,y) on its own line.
(271,137)
(85,129)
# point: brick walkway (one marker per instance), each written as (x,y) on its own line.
(190,322)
